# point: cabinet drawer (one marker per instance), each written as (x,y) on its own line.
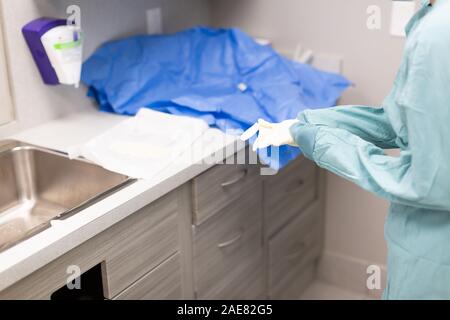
(227,247)
(293,248)
(142,242)
(288,192)
(220,186)
(248,285)
(162,283)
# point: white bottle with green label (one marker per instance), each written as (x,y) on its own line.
(64,47)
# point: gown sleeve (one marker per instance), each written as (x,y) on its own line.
(350,143)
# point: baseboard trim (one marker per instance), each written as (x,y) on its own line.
(349,273)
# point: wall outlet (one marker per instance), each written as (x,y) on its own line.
(154,21)
(402,12)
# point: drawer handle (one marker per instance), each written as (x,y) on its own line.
(234,181)
(296,255)
(232,241)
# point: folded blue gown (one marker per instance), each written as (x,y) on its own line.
(220,75)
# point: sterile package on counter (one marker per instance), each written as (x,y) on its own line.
(144,145)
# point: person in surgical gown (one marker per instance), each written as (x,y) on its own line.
(350,141)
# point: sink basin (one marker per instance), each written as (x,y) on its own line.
(38,185)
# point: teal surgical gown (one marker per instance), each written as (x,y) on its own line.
(350,141)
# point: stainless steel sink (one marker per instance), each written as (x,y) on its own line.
(38,185)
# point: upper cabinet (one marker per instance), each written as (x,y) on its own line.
(6,107)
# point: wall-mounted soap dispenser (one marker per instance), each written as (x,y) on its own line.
(57,50)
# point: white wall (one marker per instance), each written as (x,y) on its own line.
(355,219)
(102,20)
(6,109)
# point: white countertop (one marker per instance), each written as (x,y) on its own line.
(34,253)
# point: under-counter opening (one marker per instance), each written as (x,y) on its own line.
(88,286)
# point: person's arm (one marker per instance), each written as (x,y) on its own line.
(368,123)
(421,175)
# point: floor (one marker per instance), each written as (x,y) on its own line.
(320,290)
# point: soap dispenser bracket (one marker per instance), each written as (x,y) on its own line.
(33,33)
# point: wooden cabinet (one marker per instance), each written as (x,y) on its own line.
(227,249)
(228,234)
(126,253)
(288,207)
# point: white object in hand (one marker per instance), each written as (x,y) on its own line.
(270,134)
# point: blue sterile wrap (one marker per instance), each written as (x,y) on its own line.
(220,75)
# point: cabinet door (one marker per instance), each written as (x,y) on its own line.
(141,242)
(164,282)
(6,108)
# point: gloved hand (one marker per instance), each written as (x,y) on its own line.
(271,134)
